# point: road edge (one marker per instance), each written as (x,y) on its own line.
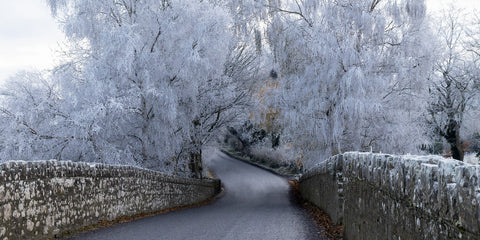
(288,177)
(131,218)
(321,219)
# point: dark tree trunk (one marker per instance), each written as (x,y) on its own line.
(195,165)
(144,136)
(453,138)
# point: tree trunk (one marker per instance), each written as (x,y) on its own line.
(453,138)
(195,165)
(144,136)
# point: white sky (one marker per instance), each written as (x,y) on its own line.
(29,35)
(438,5)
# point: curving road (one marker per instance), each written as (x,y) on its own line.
(256,205)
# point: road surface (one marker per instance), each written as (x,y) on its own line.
(256,205)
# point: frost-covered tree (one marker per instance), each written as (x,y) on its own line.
(30,115)
(157,69)
(143,82)
(455,82)
(351,74)
(39,121)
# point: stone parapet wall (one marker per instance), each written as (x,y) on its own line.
(39,200)
(323,186)
(378,196)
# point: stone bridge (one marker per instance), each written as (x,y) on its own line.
(374,196)
(378,196)
(39,200)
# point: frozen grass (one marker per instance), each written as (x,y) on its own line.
(280,159)
(277,156)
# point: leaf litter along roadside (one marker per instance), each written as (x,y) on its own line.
(323,221)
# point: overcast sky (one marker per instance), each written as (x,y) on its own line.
(28,34)
(437,5)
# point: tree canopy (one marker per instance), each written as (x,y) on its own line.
(150,83)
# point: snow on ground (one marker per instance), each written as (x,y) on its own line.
(471,158)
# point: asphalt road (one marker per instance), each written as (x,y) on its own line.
(256,205)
